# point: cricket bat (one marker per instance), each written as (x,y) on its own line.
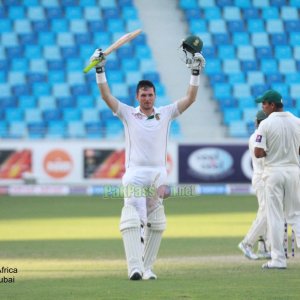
(117,44)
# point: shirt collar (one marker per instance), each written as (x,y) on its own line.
(138,110)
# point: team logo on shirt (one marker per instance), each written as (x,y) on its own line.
(137,115)
(258,138)
(157,117)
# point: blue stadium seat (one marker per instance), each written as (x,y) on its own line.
(86,101)
(56,76)
(238,129)
(269,66)
(115,76)
(231,66)
(5,25)
(101,39)
(231,13)
(130,64)
(152,76)
(46,38)
(251,13)
(51,52)
(73,12)
(51,115)
(17,129)
(289,13)
(14,114)
(255,77)
(283,52)
(213,66)
(241,89)
(287,66)
(258,89)
(78,26)
(6,90)
(249,114)
(294,39)
(36,130)
(212,13)
(260,39)
(40,25)
(209,52)
(36,77)
(59,25)
(27,102)
(279,39)
(16,77)
(270,13)
(32,115)
(192,13)
(16,12)
(274,26)
(221,38)
(80,90)
(38,65)
(27,39)
(56,130)
(35,13)
(94,130)
(13,52)
(54,12)
(246,102)
(127,51)
(292,78)
(274,78)
(75,77)
(235,78)
(20,89)
(240,38)
(71,114)
(292,25)
(41,89)
(222,90)
(278,3)
(3,129)
(83,38)
(7,102)
(249,65)
(206,3)
(282,88)
(217,26)
(61,90)
(264,52)
(245,52)
(255,25)
(226,103)
(231,114)
(226,52)
(69,52)
(65,102)
(96,26)
(188,4)
(236,26)
(76,129)
(33,51)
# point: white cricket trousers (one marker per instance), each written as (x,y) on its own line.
(140,185)
(282,195)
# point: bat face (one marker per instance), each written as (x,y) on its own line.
(117,44)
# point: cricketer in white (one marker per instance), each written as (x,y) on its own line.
(278,141)
(146,132)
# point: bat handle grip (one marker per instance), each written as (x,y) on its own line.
(91,65)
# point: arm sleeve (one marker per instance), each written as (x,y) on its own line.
(122,111)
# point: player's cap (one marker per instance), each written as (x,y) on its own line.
(260,115)
(270,96)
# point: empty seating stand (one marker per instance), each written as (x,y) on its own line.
(44,47)
(249,46)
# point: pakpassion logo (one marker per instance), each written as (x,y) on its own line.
(210,162)
(58,163)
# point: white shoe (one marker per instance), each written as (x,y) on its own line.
(271,265)
(247,250)
(263,255)
(149,275)
(135,275)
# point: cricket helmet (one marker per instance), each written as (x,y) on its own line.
(192,44)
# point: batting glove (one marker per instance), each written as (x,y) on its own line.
(98,55)
(197,63)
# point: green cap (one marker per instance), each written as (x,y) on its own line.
(260,115)
(270,96)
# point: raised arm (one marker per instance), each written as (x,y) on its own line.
(106,95)
(196,65)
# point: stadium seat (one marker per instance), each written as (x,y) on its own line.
(231,114)
(76,129)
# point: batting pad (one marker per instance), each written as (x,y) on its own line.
(130,227)
(156,225)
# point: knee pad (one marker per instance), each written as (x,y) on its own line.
(129,218)
(157,219)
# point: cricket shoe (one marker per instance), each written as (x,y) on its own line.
(263,255)
(149,275)
(135,275)
(247,250)
(271,265)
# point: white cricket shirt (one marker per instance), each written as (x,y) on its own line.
(257,163)
(279,135)
(146,137)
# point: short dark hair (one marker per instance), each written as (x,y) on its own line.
(144,84)
(278,105)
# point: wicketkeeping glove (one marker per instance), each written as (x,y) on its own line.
(196,64)
(98,55)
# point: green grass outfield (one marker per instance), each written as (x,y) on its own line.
(71,248)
